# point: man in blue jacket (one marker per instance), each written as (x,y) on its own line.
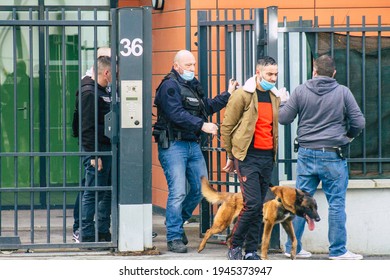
(328,119)
(182,112)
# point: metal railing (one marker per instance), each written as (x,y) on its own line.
(362,57)
(41,169)
(229,42)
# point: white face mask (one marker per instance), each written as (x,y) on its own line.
(108,86)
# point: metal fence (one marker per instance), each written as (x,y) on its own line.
(229,44)
(362,55)
(230,41)
(44,55)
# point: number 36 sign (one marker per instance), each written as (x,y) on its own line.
(131,47)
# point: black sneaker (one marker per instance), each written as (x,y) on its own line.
(154,234)
(235,253)
(184,238)
(251,256)
(104,237)
(177,246)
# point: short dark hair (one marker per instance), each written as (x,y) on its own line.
(324,65)
(265,61)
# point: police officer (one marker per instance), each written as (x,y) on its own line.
(182,111)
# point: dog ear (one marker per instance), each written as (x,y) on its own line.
(299,196)
(287,195)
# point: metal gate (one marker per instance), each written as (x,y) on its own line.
(361,53)
(41,171)
(229,42)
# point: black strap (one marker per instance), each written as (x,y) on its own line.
(202,106)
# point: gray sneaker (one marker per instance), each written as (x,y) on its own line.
(235,253)
(177,246)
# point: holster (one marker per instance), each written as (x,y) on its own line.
(343,151)
(296,145)
(161,137)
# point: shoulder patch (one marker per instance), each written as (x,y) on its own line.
(171,91)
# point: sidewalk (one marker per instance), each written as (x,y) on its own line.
(214,250)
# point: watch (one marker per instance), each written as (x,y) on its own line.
(158,4)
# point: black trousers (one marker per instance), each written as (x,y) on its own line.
(254,173)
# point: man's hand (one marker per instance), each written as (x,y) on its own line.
(100,163)
(233,84)
(284,94)
(211,128)
(229,167)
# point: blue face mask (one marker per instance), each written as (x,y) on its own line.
(187,75)
(266,85)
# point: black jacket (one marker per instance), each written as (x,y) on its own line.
(88,114)
(169,101)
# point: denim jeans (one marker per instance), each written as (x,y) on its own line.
(104,197)
(76,213)
(313,167)
(76,208)
(182,162)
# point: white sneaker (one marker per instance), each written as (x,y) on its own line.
(302,254)
(348,256)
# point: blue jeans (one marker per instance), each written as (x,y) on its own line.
(183,161)
(104,197)
(314,166)
(76,208)
(76,212)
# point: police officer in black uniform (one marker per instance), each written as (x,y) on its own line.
(182,112)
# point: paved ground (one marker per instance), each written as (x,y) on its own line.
(215,249)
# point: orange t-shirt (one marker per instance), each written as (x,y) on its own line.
(263,139)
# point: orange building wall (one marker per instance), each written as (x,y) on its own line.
(169,36)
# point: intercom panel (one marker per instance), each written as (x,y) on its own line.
(131,104)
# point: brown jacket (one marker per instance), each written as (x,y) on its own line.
(238,126)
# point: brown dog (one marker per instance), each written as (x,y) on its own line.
(282,209)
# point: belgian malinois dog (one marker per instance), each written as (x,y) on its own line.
(287,203)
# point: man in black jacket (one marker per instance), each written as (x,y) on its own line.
(182,111)
(103,164)
(102,51)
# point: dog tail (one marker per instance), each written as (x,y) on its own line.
(210,194)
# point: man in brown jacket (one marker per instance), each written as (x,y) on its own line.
(250,135)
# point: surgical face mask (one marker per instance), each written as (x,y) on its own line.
(109,87)
(187,75)
(266,85)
